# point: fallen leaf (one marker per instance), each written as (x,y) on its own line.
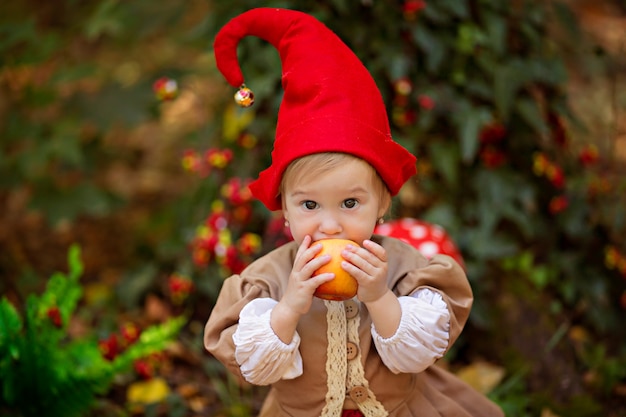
(481,375)
(188,390)
(156,310)
(97,293)
(546,412)
(147,392)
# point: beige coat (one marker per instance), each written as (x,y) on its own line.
(433,392)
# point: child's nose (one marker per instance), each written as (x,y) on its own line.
(330,226)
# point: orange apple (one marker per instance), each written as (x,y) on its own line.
(343,286)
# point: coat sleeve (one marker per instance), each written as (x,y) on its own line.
(224,319)
(263,278)
(445,276)
(410,271)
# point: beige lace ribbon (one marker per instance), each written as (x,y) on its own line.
(341,373)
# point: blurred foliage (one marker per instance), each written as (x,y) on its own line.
(119,133)
(38,360)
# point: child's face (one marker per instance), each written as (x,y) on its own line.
(342,202)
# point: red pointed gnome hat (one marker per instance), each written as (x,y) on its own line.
(330,104)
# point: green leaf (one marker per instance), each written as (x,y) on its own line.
(14,33)
(539,276)
(64,146)
(469,37)
(435,50)
(10,323)
(469,121)
(113,105)
(153,339)
(104,21)
(443,214)
(508,79)
(63,291)
(529,110)
(22,44)
(496,28)
(75,263)
(458,9)
(568,19)
(74,72)
(135,284)
(445,156)
(399,64)
(485,244)
(504,196)
(64,204)
(435,13)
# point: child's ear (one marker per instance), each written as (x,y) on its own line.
(385,205)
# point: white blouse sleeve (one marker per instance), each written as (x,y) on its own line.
(262,357)
(422,336)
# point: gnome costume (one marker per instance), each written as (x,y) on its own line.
(337,362)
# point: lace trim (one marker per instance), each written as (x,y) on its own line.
(342,374)
(336,361)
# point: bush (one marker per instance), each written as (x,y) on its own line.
(65,375)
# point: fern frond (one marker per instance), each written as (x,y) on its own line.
(46,374)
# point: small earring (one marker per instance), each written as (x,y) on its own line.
(381,221)
(286,223)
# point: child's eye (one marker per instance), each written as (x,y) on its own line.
(350,203)
(309,205)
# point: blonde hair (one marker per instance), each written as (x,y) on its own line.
(313,165)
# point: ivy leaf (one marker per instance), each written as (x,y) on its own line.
(469,121)
(399,64)
(496,27)
(508,78)
(113,104)
(444,157)
(21,43)
(104,21)
(435,13)
(60,204)
(529,110)
(486,244)
(458,9)
(443,214)
(569,21)
(435,50)
(540,276)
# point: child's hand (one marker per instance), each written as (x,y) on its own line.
(368,265)
(302,284)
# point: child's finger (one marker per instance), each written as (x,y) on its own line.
(376,249)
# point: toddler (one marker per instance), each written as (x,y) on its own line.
(334,171)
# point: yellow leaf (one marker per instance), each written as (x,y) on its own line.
(482,376)
(579,334)
(235,121)
(97,293)
(147,392)
(546,412)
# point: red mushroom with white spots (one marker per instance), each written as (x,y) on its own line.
(430,239)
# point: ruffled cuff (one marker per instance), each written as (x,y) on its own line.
(422,336)
(262,357)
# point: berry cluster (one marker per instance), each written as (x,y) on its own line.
(215,239)
(402,113)
(116,343)
(203,163)
(491,140)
